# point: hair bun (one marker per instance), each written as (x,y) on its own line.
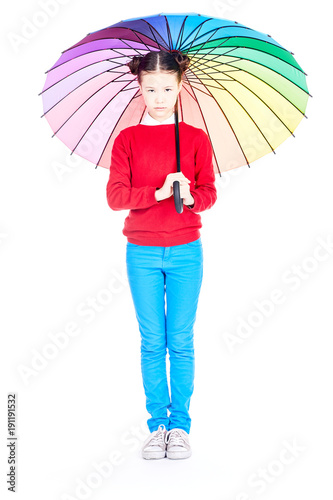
(182,59)
(134,64)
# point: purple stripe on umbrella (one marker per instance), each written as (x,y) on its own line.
(115,33)
(100,45)
(84,61)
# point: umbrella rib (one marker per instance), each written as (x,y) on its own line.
(240,104)
(91,52)
(152,29)
(84,67)
(105,38)
(198,29)
(181,32)
(243,85)
(95,116)
(181,106)
(95,75)
(109,48)
(195,53)
(169,33)
(97,50)
(213,32)
(255,76)
(83,83)
(208,129)
(202,91)
(275,90)
(213,48)
(201,46)
(264,66)
(120,117)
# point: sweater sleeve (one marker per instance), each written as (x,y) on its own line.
(119,192)
(204,192)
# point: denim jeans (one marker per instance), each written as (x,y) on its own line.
(174,273)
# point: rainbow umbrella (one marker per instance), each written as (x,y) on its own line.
(242,88)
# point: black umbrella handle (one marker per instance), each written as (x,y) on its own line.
(177,198)
(176,185)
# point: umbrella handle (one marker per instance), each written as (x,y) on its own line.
(176,185)
(177,198)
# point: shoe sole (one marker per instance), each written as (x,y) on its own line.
(153,455)
(176,455)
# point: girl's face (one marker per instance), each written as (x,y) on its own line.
(160,91)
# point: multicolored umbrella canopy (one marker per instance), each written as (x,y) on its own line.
(242,88)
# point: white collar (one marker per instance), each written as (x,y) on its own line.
(149,120)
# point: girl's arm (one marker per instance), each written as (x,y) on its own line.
(204,192)
(119,192)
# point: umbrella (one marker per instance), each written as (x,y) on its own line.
(242,88)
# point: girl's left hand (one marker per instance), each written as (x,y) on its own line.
(186,194)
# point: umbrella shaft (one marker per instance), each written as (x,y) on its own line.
(177,136)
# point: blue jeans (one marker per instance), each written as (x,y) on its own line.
(175,272)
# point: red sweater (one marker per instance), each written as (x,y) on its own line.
(142,156)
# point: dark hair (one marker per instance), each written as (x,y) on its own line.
(173,62)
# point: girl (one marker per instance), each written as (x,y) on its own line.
(164,255)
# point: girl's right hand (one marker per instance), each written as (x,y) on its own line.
(167,189)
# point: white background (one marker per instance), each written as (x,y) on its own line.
(61,245)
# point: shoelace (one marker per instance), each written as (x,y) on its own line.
(175,437)
(159,437)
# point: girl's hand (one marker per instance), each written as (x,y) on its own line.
(167,189)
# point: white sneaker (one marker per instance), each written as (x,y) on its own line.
(178,445)
(154,446)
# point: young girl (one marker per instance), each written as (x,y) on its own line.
(164,254)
